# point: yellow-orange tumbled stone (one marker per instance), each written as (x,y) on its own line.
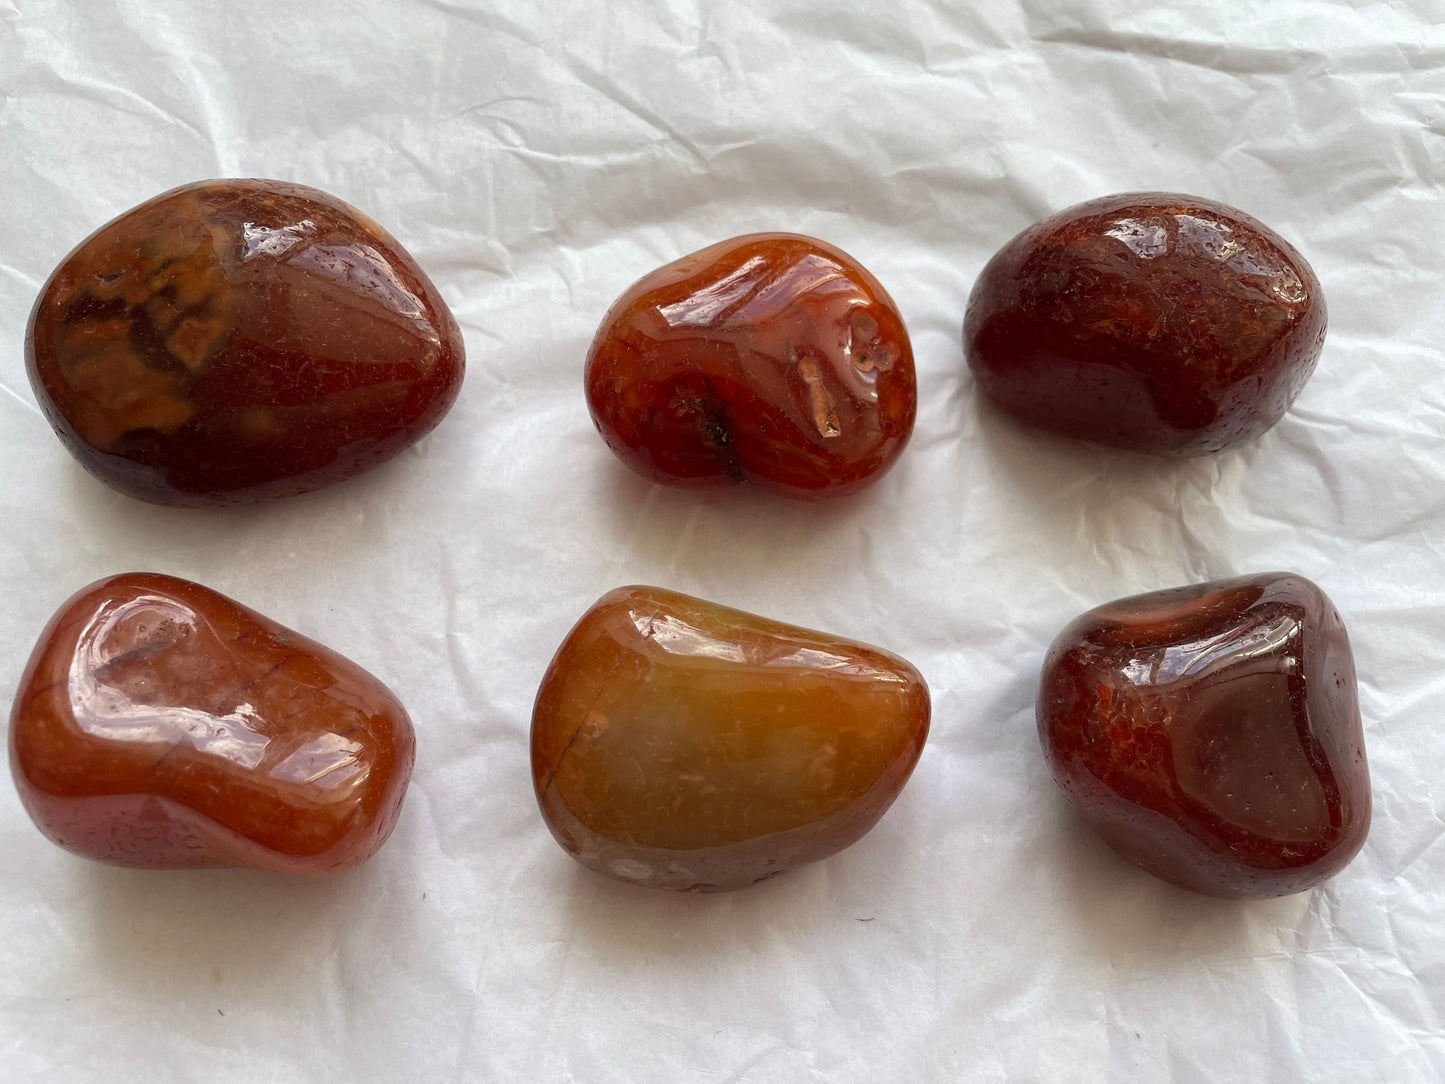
(682,744)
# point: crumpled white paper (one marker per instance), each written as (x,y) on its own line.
(536,158)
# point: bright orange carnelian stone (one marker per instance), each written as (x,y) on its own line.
(771,358)
(164,726)
(681,744)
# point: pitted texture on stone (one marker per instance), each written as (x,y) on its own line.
(770,358)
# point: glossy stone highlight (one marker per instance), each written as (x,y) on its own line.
(164,726)
(685,745)
(234,341)
(1149,321)
(1211,734)
(771,358)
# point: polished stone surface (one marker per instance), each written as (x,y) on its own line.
(1211,734)
(234,341)
(1149,321)
(162,725)
(685,745)
(771,358)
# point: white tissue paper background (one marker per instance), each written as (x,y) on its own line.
(538,157)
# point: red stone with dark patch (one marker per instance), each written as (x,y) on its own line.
(1211,734)
(164,726)
(771,358)
(234,341)
(1148,321)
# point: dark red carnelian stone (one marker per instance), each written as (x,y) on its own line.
(1148,321)
(234,341)
(771,358)
(1211,734)
(164,726)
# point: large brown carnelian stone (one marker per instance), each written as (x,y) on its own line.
(1211,734)
(1149,321)
(234,341)
(164,726)
(681,744)
(771,358)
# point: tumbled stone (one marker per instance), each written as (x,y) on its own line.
(770,358)
(164,726)
(234,341)
(681,744)
(1211,734)
(1149,321)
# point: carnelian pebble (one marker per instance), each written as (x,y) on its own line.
(234,341)
(1211,734)
(771,358)
(1148,321)
(681,744)
(162,725)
